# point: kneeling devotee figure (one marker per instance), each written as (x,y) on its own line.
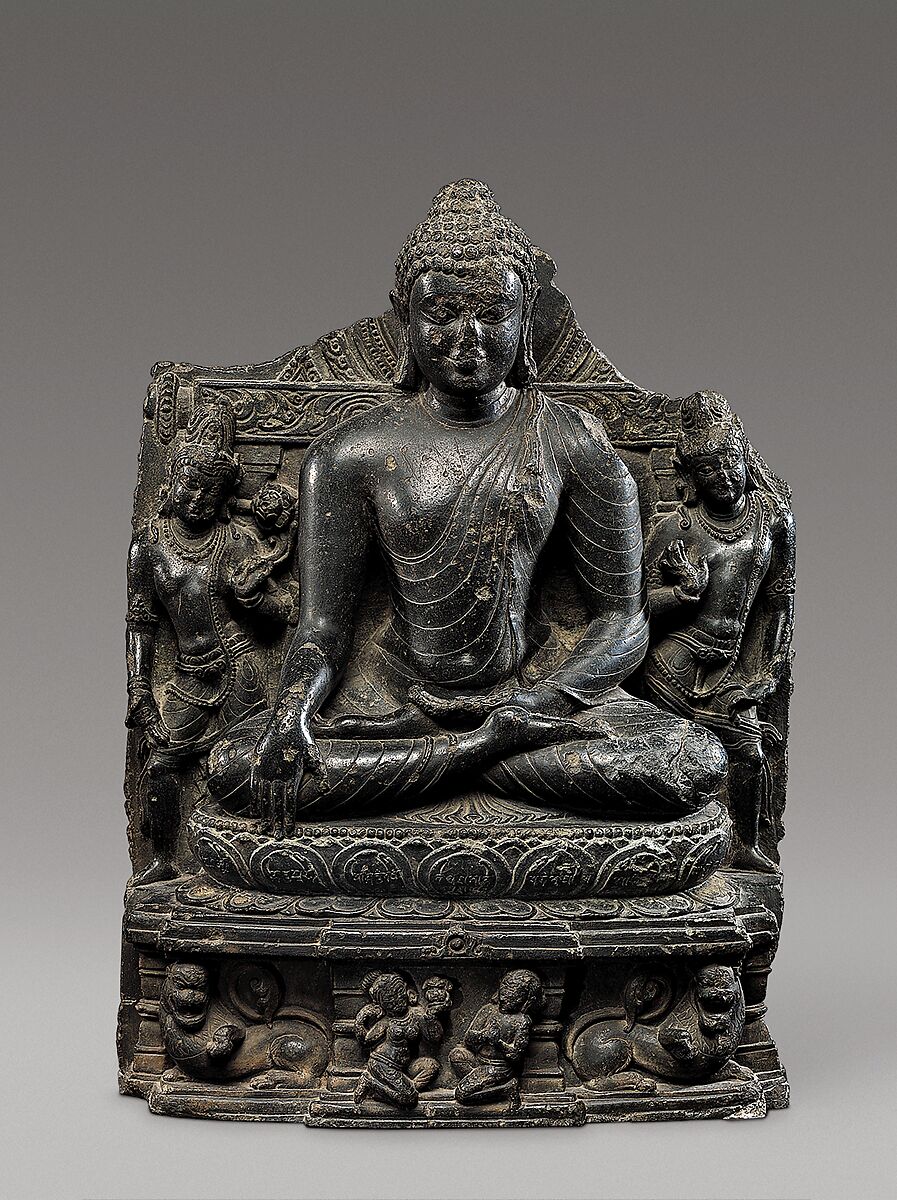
(455,489)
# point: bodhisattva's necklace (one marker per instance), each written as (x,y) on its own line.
(194,549)
(723,530)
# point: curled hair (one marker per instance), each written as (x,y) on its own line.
(529,983)
(375,981)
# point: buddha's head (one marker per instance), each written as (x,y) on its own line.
(185,994)
(204,470)
(711,452)
(465,290)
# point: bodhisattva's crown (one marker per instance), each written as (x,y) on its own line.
(708,424)
(209,442)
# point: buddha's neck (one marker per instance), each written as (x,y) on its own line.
(470,410)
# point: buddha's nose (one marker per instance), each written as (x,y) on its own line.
(469,337)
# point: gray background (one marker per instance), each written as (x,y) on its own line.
(220,182)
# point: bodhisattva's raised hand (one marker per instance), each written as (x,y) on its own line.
(249,579)
(282,756)
(688,578)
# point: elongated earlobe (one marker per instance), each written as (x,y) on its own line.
(406,375)
(525,372)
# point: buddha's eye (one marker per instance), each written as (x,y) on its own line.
(495,314)
(439,314)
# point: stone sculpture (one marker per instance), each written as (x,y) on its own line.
(668,1030)
(204,571)
(455,488)
(401,689)
(721,587)
(208,1040)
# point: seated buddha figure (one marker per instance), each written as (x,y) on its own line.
(452,491)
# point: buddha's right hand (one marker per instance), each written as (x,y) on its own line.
(282,755)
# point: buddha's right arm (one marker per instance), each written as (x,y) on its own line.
(604,538)
(332,557)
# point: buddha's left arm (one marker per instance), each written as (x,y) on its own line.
(604,535)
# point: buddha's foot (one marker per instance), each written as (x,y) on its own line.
(404,722)
(513,728)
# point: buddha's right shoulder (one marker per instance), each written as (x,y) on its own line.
(364,432)
(362,439)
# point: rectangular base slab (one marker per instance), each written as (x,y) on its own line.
(725,1099)
(441,1112)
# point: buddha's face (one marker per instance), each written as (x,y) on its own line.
(195,497)
(720,476)
(465,333)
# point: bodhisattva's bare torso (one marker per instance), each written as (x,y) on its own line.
(737,563)
(192,579)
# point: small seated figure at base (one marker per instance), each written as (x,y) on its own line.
(721,585)
(488,1064)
